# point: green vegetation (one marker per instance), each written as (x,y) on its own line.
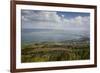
(55,51)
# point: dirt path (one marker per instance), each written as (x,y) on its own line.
(51,49)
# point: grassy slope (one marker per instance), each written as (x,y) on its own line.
(55,51)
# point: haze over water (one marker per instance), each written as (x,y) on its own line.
(41,26)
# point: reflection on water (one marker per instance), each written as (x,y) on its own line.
(40,35)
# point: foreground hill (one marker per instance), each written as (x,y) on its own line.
(56,51)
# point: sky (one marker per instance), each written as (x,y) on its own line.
(41,19)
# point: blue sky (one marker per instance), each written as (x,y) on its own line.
(39,19)
(72,14)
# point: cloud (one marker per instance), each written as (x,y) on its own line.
(51,20)
(40,16)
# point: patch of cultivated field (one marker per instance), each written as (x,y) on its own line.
(55,51)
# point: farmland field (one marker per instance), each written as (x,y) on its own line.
(55,51)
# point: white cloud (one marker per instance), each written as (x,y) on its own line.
(51,20)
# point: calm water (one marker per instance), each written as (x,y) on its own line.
(42,35)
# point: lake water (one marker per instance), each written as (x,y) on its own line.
(43,35)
